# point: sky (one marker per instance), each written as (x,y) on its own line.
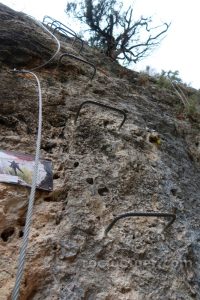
(179,50)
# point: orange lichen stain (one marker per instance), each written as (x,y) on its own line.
(25,75)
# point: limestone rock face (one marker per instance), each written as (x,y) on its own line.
(150,164)
(20,42)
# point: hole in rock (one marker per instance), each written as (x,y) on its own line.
(102,191)
(90,180)
(153,139)
(7,233)
(76,164)
(56,176)
(125,290)
(21,233)
(21,221)
(174,191)
(55,247)
(105,123)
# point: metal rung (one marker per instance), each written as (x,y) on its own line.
(47,17)
(80,59)
(62,27)
(65,31)
(59,24)
(142,214)
(102,105)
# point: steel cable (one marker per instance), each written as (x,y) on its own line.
(22,255)
(57,41)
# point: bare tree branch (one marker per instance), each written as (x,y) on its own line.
(115,31)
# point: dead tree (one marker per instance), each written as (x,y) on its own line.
(115,31)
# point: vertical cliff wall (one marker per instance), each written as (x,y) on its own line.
(150,164)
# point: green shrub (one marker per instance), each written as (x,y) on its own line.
(193,107)
(166,77)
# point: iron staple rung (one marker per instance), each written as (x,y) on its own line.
(102,105)
(142,214)
(48,17)
(59,24)
(80,59)
(60,29)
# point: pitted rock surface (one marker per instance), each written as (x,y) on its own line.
(150,164)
